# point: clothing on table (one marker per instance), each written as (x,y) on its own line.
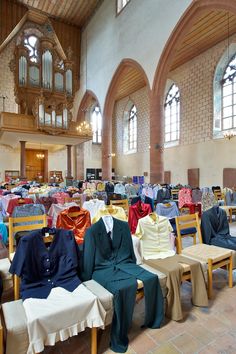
(76,219)
(112,264)
(93,205)
(185,197)
(171,266)
(62,315)
(55,210)
(136,212)
(116,211)
(215,229)
(42,268)
(170,209)
(154,232)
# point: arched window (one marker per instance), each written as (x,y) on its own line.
(96,122)
(31,43)
(229,96)
(132,129)
(172,109)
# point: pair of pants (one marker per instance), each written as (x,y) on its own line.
(124,291)
(171,266)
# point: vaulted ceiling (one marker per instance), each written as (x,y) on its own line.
(75,12)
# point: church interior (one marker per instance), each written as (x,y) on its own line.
(117,181)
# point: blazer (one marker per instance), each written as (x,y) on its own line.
(105,263)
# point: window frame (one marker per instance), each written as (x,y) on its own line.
(96,132)
(118,12)
(172,142)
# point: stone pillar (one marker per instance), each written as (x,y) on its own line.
(107,148)
(156,140)
(69,176)
(22,160)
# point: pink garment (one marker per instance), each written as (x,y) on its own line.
(185,197)
(60,197)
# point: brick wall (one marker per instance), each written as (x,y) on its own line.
(195,81)
(140,99)
(7,79)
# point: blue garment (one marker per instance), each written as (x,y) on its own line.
(170,210)
(42,268)
(28,210)
(3,232)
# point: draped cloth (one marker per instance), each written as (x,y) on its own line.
(62,315)
(172,267)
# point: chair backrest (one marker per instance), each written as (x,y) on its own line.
(174,194)
(25,223)
(184,222)
(123,203)
(219,195)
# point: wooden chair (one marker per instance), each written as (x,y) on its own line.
(219,196)
(123,203)
(214,257)
(15,225)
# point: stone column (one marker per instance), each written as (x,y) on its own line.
(22,160)
(156,140)
(107,148)
(69,176)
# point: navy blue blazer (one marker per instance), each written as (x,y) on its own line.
(42,268)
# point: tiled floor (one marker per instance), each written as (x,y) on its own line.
(204,330)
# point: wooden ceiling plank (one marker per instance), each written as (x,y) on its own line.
(79,12)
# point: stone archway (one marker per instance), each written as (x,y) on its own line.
(108,111)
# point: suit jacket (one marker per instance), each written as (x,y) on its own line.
(214,224)
(103,263)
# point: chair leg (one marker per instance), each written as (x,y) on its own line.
(230,270)
(209,272)
(16,282)
(94,340)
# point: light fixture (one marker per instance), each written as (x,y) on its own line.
(229,134)
(112,154)
(40,155)
(84,128)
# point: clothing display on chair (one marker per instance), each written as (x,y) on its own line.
(76,219)
(93,205)
(109,259)
(116,211)
(56,304)
(136,212)
(154,232)
(215,228)
(156,250)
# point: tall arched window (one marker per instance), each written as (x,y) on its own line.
(97,125)
(132,129)
(31,44)
(229,96)
(172,110)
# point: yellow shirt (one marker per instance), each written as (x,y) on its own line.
(155,236)
(115,211)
